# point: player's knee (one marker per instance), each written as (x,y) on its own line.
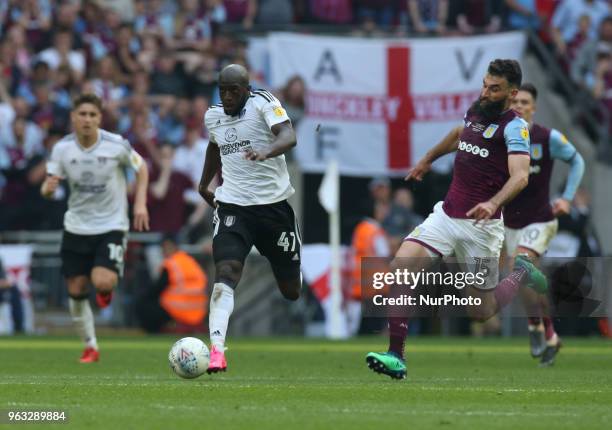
(104,284)
(229,272)
(77,287)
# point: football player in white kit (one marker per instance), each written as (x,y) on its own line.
(94,163)
(249,133)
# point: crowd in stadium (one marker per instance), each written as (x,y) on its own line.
(154,64)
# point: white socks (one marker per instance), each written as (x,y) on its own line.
(221,307)
(83,319)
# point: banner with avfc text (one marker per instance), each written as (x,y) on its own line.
(377,105)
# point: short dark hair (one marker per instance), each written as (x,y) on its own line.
(509,69)
(531,89)
(87,98)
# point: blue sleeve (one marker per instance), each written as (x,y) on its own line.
(562,149)
(516,135)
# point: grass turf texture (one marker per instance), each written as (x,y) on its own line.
(312,384)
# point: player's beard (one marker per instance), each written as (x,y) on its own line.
(490,110)
(240,105)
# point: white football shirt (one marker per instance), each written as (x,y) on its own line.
(246,182)
(97,179)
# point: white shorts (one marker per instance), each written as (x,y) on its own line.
(476,246)
(536,236)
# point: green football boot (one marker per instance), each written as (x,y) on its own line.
(387,363)
(536,280)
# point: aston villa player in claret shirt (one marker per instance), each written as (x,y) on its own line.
(531,221)
(491,167)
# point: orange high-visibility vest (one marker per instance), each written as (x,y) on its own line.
(365,236)
(185,297)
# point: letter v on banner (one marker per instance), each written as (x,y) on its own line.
(398,126)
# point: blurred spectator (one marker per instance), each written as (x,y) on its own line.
(167,206)
(151,18)
(473,16)
(189,157)
(241,11)
(46,113)
(401,218)
(585,64)
(172,115)
(34,16)
(178,295)
(126,50)
(428,16)
(566,20)
(62,91)
(10,293)
(9,72)
(189,160)
(18,145)
(67,18)
(275,12)
(167,77)
(193,24)
(293,96)
(198,110)
(331,11)
(149,52)
(602,88)
(375,13)
(380,193)
(62,53)
(108,81)
(23,57)
(580,38)
(524,15)
(40,73)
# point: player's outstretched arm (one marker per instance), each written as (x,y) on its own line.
(563,149)
(212,165)
(285,140)
(448,144)
(141,214)
(518,167)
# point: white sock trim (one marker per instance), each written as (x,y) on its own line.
(221,307)
(83,320)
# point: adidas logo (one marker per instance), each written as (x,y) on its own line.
(296,257)
(218,122)
(216,333)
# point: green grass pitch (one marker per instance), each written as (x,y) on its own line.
(294,383)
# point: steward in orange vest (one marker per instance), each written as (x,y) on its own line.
(369,240)
(179,294)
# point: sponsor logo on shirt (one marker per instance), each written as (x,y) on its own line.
(536,151)
(490,131)
(235,147)
(524,133)
(279,111)
(231,135)
(564,139)
(474,149)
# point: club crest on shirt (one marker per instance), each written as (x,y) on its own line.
(229,220)
(231,135)
(536,151)
(279,111)
(490,131)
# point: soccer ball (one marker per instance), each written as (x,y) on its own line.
(189,357)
